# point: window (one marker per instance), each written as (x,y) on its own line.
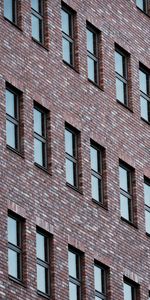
(100,282)
(143,5)
(129,291)
(74,275)
(145,94)
(96,170)
(12,119)
(37,20)
(14,248)
(40,141)
(71,156)
(67,17)
(125,193)
(121,77)
(42,253)
(147,204)
(92,54)
(10,10)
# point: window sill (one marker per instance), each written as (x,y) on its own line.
(14,24)
(124,105)
(15,151)
(42,168)
(95,84)
(145,13)
(101,204)
(43,295)
(147,122)
(129,222)
(74,188)
(71,66)
(40,44)
(16,281)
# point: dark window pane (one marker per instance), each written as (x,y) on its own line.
(38,122)
(94,159)
(147,194)
(11,134)
(73,291)
(69,143)
(147,221)
(119,64)
(11,104)
(143,82)
(91,69)
(13,263)
(127,292)
(67,51)
(36,28)
(70,172)
(36,5)
(90,41)
(125,207)
(12,231)
(96,191)
(40,246)
(41,279)
(120,90)
(38,152)
(66,22)
(144,109)
(124,179)
(99,279)
(72,258)
(8,9)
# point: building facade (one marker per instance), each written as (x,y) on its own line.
(75,150)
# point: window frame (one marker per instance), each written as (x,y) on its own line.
(73,159)
(98,175)
(14,12)
(97,293)
(17,248)
(40,17)
(94,57)
(76,281)
(133,286)
(42,139)
(128,195)
(146,7)
(13,120)
(124,79)
(69,38)
(44,264)
(147,208)
(143,95)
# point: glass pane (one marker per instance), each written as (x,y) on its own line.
(66,22)
(90,41)
(147,194)
(38,152)
(140,4)
(38,120)
(11,134)
(11,104)
(127,292)
(36,28)
(41,279)
(94,159)
(96,188)
(13,263)
(147,221)
(67,51)
(124,179)
(120,91)
(70,172)
(98,298)
(99,279)
(12,231)
(144,108)
(72,260)
(36,5)
(119,64)
(143,82)
(41,246)
(91,69)
(125,207)
(69,142)
(8,9)
(73,291)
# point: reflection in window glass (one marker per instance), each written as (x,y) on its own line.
(67,36)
